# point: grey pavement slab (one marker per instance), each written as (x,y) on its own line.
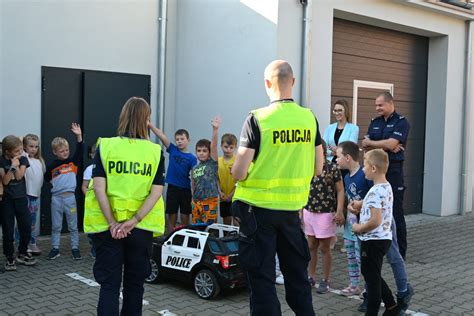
(440,264)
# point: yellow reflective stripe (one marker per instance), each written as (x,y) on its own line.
(121,204)
(266,183)
(272,196)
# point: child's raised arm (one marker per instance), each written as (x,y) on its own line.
(159,133)
(76,129)
(78,152)
(216,123)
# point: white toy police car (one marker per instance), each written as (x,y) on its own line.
(204,255)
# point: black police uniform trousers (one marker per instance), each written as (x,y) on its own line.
(263,233)
(395,178)
(128,257)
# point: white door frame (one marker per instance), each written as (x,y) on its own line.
(367,84)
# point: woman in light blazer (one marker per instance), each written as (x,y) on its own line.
(341,130)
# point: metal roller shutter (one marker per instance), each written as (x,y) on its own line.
(372,58)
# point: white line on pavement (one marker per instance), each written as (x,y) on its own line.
(166,312)
(355,297)
(78,277)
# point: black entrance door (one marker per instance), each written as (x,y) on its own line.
(93,99)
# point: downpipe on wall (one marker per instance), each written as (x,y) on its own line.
(305,52)
(162,23)
(467,130)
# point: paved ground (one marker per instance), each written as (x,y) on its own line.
(440,264)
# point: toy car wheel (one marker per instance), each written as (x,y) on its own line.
(206,285)
(154,276)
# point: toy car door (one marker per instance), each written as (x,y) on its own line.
(195,247)
(176,254)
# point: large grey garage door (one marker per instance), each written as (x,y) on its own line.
(368,59)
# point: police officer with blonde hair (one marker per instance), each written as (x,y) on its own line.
(280,151)
(124,209)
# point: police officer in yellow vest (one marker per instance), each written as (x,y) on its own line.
(279,153)
(124,209)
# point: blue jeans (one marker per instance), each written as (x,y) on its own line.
(64,203)
(33,206)
(397,263)
(263,233)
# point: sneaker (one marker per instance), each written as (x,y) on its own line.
(26,260)
(312,282)
(280,279)
(350,290)
(76,254)
(92,253)
(53,254)
(10,265)
(363,306)
(403,299)
(34,250)
(393,311)
(323,287)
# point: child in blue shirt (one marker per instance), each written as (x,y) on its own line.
(356,187)
(178,194)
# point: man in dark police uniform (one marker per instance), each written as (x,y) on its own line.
(389,131)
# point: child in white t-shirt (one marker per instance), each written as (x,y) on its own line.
(374,231)
(34,182)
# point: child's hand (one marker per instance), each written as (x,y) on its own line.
(339,218)
(354,207)
(356,228)
(222,195)
(216,122)
(16,162)
(76,129)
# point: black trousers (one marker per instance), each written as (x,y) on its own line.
(263,233)
(395,178)
(129,257)
(10,209)
(371,257)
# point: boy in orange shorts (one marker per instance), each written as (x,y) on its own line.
(204,180)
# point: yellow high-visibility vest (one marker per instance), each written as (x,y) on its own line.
(280,177)
(130,165)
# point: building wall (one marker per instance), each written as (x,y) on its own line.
(220,51)
(445,81)
(217,51)
(99,35)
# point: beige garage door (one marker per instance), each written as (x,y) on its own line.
(368,59)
